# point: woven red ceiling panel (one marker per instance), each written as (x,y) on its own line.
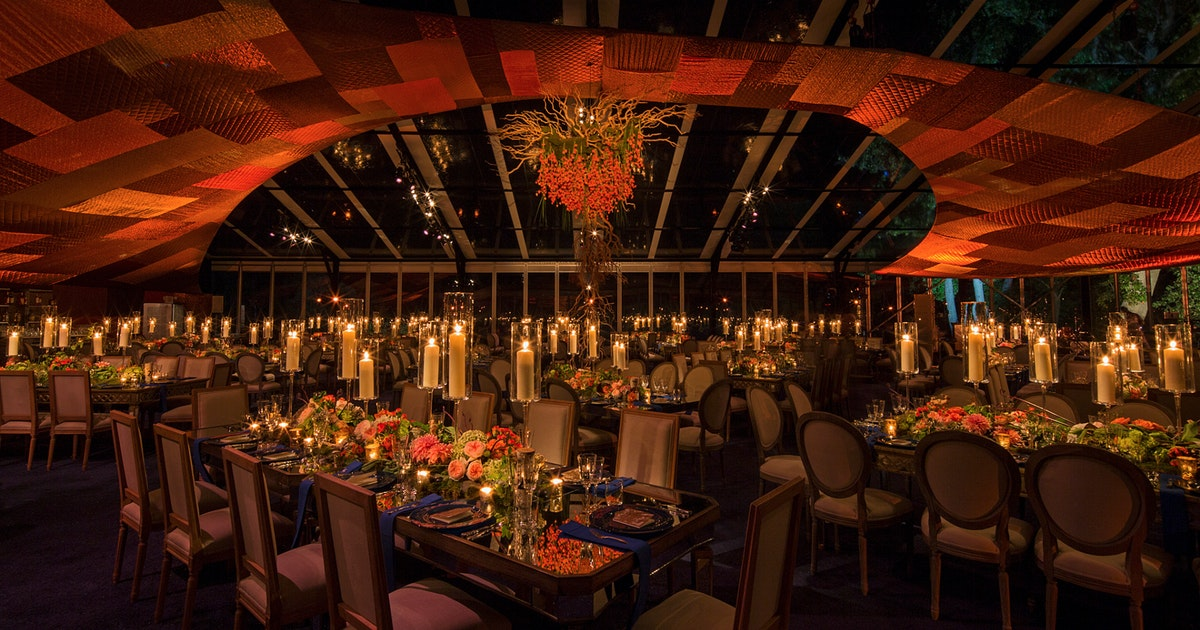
(709,77)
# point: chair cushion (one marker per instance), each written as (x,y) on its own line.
(432,604)
(301,581)
(782,468)
(178,414)
(738,404)
(972,543)
(687,609)
(689,419)
(132,512)
(881,505)
(591,437)
(21,427)
(262,387)
(210,497)
(689,438)
(216,534)
(1071,565)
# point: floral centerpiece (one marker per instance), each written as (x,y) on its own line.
(103,373)
(588,384)
(38,368)
(755,364)
(1135,387)
(1024,429)
(1143,442)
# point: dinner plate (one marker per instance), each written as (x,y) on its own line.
(895,442)
(244,438)
(454,515)
(374,481)
(633,520)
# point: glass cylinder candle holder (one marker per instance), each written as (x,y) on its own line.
(348,352)
(268,329)
(226,327)
(1175,367)
(1116,345)
(620,351)
(458,311)
(591,331)
(527,361)
(906,348)
(14,340)
(1133,356)
(189,323)
(353,311)
(972,325)
(1043,353)
(368,372)
(1106,378)
(429,355)
(293,335)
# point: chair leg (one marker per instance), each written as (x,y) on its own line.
(813,529)
(238,613)
(1005,606)
(1135,613)
(935,583)
(862,559)
(50,457)
(122,534)
(1051,602)
(189,600)
(32,447)
(162,586)
(138,564)
(74,447)
(87,450)
(700,458)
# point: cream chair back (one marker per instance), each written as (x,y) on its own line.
(177,476)
(219,406)
(253,535)
(647,447)
(250,368)
(663,377)
(131,463)
(697,380)
(476,413)
(70,397)
(766,420)
(769,558)
(681,367)
(353,552)
(836,457)
(414,402)
(196,367)
(551,424)
(801,401)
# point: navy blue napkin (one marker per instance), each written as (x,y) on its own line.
(196,463)
(602,488)
(387,530)
(640,549)
(1173,504)
(304,494)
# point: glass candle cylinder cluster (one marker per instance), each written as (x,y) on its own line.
(527,360)
(458,312)
(1043,354)
(620,351)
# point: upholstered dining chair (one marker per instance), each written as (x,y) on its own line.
(695,383)
(960,395)
(648,447)
(194,538)
(681,368)
(997,386)
(414,402)
(589,439)
(1095,509)
(163,365)
(713,430)
(179,410)
(636,367)
(951,370)
(663,377)
(797,401)
(217,407)
(837,463)
(1056,404)
(971,486)
(278,589)
(71,412)
(251,372)
(18,409)
(117,360)
(765,584)
(501,369)
(1145,410)
(485,382)
(142,508)
(356,580)
(766,421)
(552,428)
(476,413)
(172,348)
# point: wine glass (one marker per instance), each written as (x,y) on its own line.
(586,462)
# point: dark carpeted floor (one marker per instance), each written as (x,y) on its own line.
(58,537)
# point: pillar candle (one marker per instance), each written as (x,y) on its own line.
(725,327)
(1106,382)
(349,339)
(366,375)
(592,350)
(107,322)
(292,360)
(741,340)
(1133,354)
(14,344)
(1173,364)
(153,324)
(857,327)
(97,344)
(908,357)
(123,340)
(204,334)
(189,325)
(456,380)
(757,341)
(267,327)
(1042,361)
(573,342)
(619,356)
(225,327)
(64,334)
(48,332)
(524,372)
(429,362)
(171,329)
(975,364)
(254,334)
(553,342)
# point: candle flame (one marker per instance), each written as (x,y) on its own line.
(1172,344)
(432,342)
(1104,360)
(524,345)
(1041,340)
(366,355)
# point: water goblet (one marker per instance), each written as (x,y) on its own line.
(614,492)
(586,462)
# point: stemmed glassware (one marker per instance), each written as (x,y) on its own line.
(591,472)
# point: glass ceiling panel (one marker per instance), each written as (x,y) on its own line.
(780,21)
(902,233)
(1169,87)
(458,148)
(898,26)
(540,12)
(719,141)
(1135,37)
(664,16)
(821,149)
(880,166)
(1004,30)
(362,162)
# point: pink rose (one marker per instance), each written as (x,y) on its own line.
(473,449)
(456,468)
(474,470)
(365,430)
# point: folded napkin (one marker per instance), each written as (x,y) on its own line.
(1173,510)
(603,488)
(196,463)
(640,549)
(387,529)
(304,493)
